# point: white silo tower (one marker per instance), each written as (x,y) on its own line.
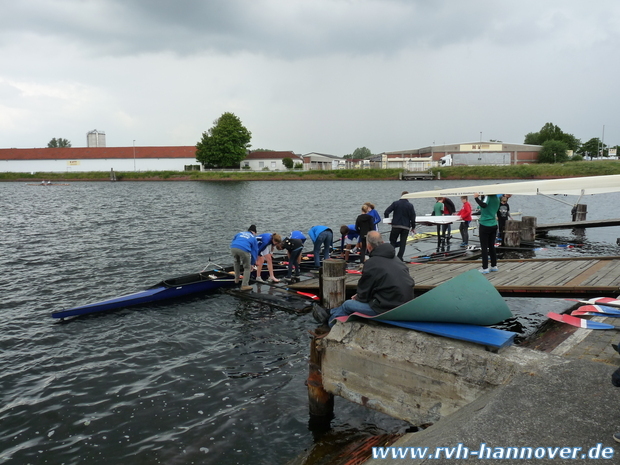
(95,138)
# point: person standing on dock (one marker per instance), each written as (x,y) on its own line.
(374,213)
(321,236)
(403,221)
(266,243)
(465,214)
(446,229)
(503,215)
(385,284)
(363,225)
(438,211)
(244,249)
(488,230)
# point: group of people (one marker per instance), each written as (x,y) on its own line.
(249,249)
(385,282)
(445,206)
(494,212)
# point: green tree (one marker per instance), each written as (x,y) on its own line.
(552,132)
(553,151)
(225,145)
(593,148)
(361,152)
(58,143)
(288,162)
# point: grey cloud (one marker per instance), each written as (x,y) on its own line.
(273,28)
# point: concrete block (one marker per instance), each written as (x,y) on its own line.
(410,375)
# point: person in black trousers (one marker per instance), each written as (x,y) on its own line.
(403,221)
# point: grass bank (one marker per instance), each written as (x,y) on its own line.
(533,171)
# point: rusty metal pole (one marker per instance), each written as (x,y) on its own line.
(320,402)
(332,286)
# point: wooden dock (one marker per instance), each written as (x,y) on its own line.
(543,228)
(410,175)
(555,277)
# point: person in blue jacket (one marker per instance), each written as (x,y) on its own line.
(244,249)
(349,240)
(321,236)
(375,214)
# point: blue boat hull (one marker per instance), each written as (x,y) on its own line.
(198,283)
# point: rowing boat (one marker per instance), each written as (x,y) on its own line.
(206,281)
(570,186)
(191,284)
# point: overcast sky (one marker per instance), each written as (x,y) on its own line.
(308,75)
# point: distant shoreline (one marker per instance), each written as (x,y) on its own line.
(526,171)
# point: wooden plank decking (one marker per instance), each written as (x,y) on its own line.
(560,277)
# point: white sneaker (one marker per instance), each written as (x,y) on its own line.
(483,270)
(494,268)
(259,279)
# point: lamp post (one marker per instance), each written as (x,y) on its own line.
(134,155)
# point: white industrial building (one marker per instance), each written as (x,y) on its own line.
(84,159)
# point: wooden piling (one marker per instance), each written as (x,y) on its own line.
(512,233)
(528,228)
(333,291)
(579,212)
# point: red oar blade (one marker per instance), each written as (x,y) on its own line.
(310,296)
(580,323)
(603,309)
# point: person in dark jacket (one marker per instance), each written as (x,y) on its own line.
(363,225)
(293,249)
(385,284)
(403,221)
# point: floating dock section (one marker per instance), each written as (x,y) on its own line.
(559,277)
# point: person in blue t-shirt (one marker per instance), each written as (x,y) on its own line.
(349,240)
(321,236)
(244,249)
(375,214)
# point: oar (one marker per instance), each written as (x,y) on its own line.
(606,315)
(600,300)
(579,322)
(596,309)
(288,289)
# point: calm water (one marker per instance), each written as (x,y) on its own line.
(209,380)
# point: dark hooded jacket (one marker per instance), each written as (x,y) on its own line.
(385,283)
(404,214)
